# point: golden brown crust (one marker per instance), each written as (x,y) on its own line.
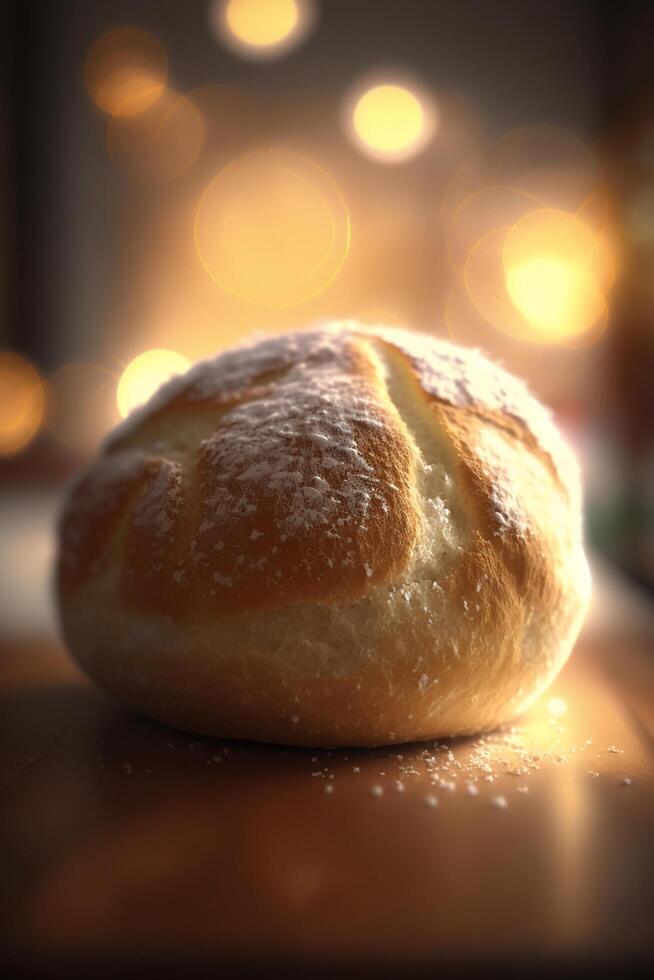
(175,554)
(269,565)
(349,536)
(92,516)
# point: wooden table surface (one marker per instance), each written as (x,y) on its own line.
(125,842)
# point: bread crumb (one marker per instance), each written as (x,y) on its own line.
(500,802)
(128,768)
(431,800)
(377,791)
(329,788)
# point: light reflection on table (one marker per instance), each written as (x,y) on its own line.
(124,837)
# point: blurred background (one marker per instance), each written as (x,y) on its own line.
(177,176)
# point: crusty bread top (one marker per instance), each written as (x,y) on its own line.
(286,470)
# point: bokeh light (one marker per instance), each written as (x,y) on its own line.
(391,122)
(262,29)
(530,166)
(481,212)
(527,226)
(160,143)
(145,375)
(561,236)
(22,400)
(556,271)
(261,23)
(554,296)
(534,282)
(272,228)
(125,71)
(557,707)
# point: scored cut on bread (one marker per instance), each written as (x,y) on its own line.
(348,535)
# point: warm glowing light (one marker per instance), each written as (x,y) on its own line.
(555,273)
(541,287)
(161,142)
(261,22)
(528,235)
(554,296)
(485,210)
(391,122)
(559,234)
(21,403)
(557,707)
(125,71)
(272,229)
(144,375)
(262,28)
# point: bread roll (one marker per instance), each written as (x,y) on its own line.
(344,536)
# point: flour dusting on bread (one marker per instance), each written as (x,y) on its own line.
(345,535)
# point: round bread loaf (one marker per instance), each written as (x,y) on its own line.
(345,536)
